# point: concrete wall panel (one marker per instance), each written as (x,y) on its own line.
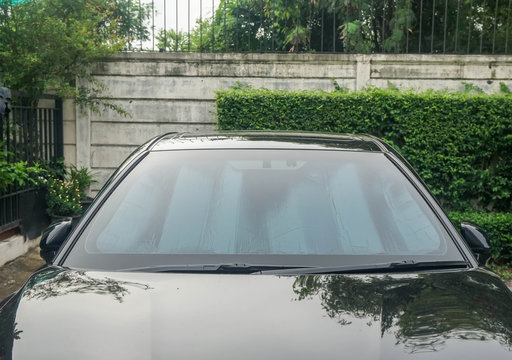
(172,111)
(122,134)
(166,92)
(109,157)
(202,88)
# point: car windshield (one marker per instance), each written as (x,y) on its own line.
(289,207)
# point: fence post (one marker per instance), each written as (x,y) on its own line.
(59,130)
(5,101)
(5,109)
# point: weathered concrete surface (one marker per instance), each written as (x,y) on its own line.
(14,274)
(175,91)
(15,246)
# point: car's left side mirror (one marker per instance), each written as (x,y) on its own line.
(52,239)
(477,241)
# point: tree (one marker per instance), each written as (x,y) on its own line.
(362,26)
(46,45)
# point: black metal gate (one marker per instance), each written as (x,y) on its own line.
(32,131)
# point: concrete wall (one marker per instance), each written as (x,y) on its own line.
(175,91)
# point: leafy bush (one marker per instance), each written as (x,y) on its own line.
(497,226)
(62,197)
(460,143)
(17,173)
(83,178)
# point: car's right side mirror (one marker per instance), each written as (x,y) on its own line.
(477,241)
(52,239)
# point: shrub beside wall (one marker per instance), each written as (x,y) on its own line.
(461,144)
(497,226)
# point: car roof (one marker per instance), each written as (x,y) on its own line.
(266,140)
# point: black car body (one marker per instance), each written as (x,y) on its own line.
(121,288)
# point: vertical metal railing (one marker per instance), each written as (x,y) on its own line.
(29,133)
(399,26)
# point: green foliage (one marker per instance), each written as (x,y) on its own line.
(172,41)
(18,173)
(82,178)
(498,228)
(239,85)
(62,197)
(503,271)
(361,26)
(470,87)
(459,143)
(45,45)
(504,89)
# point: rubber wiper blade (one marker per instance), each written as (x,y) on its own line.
(214,268)
(398,266)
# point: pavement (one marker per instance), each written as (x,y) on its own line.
(14,274)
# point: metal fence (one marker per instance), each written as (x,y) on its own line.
(338,26)
(32,133)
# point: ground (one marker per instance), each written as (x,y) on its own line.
(14,274)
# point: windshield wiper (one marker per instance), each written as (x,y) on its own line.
(399,266)
(215,268)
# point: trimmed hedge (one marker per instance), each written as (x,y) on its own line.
(498,228)
(460,144)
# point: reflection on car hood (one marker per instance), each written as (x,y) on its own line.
(64,314)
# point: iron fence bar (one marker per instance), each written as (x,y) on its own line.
(261,25)
(165,26)
(457,27)
(322,33)
(40,132)
(396,26)
(445,24)
(494,26)
(129,25)
(140,24)
(309,27)
(24,134)
(14,128)
(46,150)
(153,23)
(201,25)
(272,19)
(236,26)
(470,26)
(225,32)
(213,26)
(59,130)
(433,25)
(177,39)
(334,28)
(383,32)
(249,48)
(483,28)
(188,26)
(508,22)
(53,135)
(407,26)
(421,24)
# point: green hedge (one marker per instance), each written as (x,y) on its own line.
(461,144)
(497,226)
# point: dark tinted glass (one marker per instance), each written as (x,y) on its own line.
(270,206)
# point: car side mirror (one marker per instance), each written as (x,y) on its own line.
(52,239)
(477,241)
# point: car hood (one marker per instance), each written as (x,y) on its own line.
(66,314)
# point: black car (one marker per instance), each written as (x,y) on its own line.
(261,246)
